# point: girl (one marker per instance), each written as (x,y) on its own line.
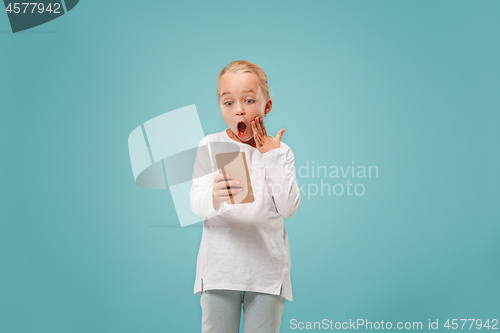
(244,255)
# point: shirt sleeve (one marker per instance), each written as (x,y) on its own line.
(201,200)
(280,171)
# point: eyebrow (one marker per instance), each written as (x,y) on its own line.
(244,91)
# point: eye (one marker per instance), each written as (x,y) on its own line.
(228,102)
(251,100)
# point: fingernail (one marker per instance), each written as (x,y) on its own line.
(237,182)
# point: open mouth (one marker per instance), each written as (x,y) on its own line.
(242,129)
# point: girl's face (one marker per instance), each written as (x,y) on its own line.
(241,100)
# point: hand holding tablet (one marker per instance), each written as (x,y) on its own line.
(224,188)
(232,184)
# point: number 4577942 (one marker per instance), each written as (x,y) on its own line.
(479,324)
(17,8)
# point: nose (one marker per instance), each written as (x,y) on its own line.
(240,111)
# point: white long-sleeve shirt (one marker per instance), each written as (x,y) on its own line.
(245,246)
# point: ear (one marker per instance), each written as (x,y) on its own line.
(268,107)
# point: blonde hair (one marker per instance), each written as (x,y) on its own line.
(243,66)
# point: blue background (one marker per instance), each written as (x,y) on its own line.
(411,87)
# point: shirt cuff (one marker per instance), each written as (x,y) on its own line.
(275,162)
(273,155)
(222,208)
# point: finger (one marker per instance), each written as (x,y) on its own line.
(223,189)
(222,196)
(225,198)
(257,124)
(234,189)
(217,186)
(264,133)
(255,130)
(228,183)
(261,140)
(280,134)
(221,177)
(258,139)
(227,192)
(232,184)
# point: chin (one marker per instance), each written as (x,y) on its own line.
(246,140)
(243,138)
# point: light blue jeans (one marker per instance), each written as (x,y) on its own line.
(221,311)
